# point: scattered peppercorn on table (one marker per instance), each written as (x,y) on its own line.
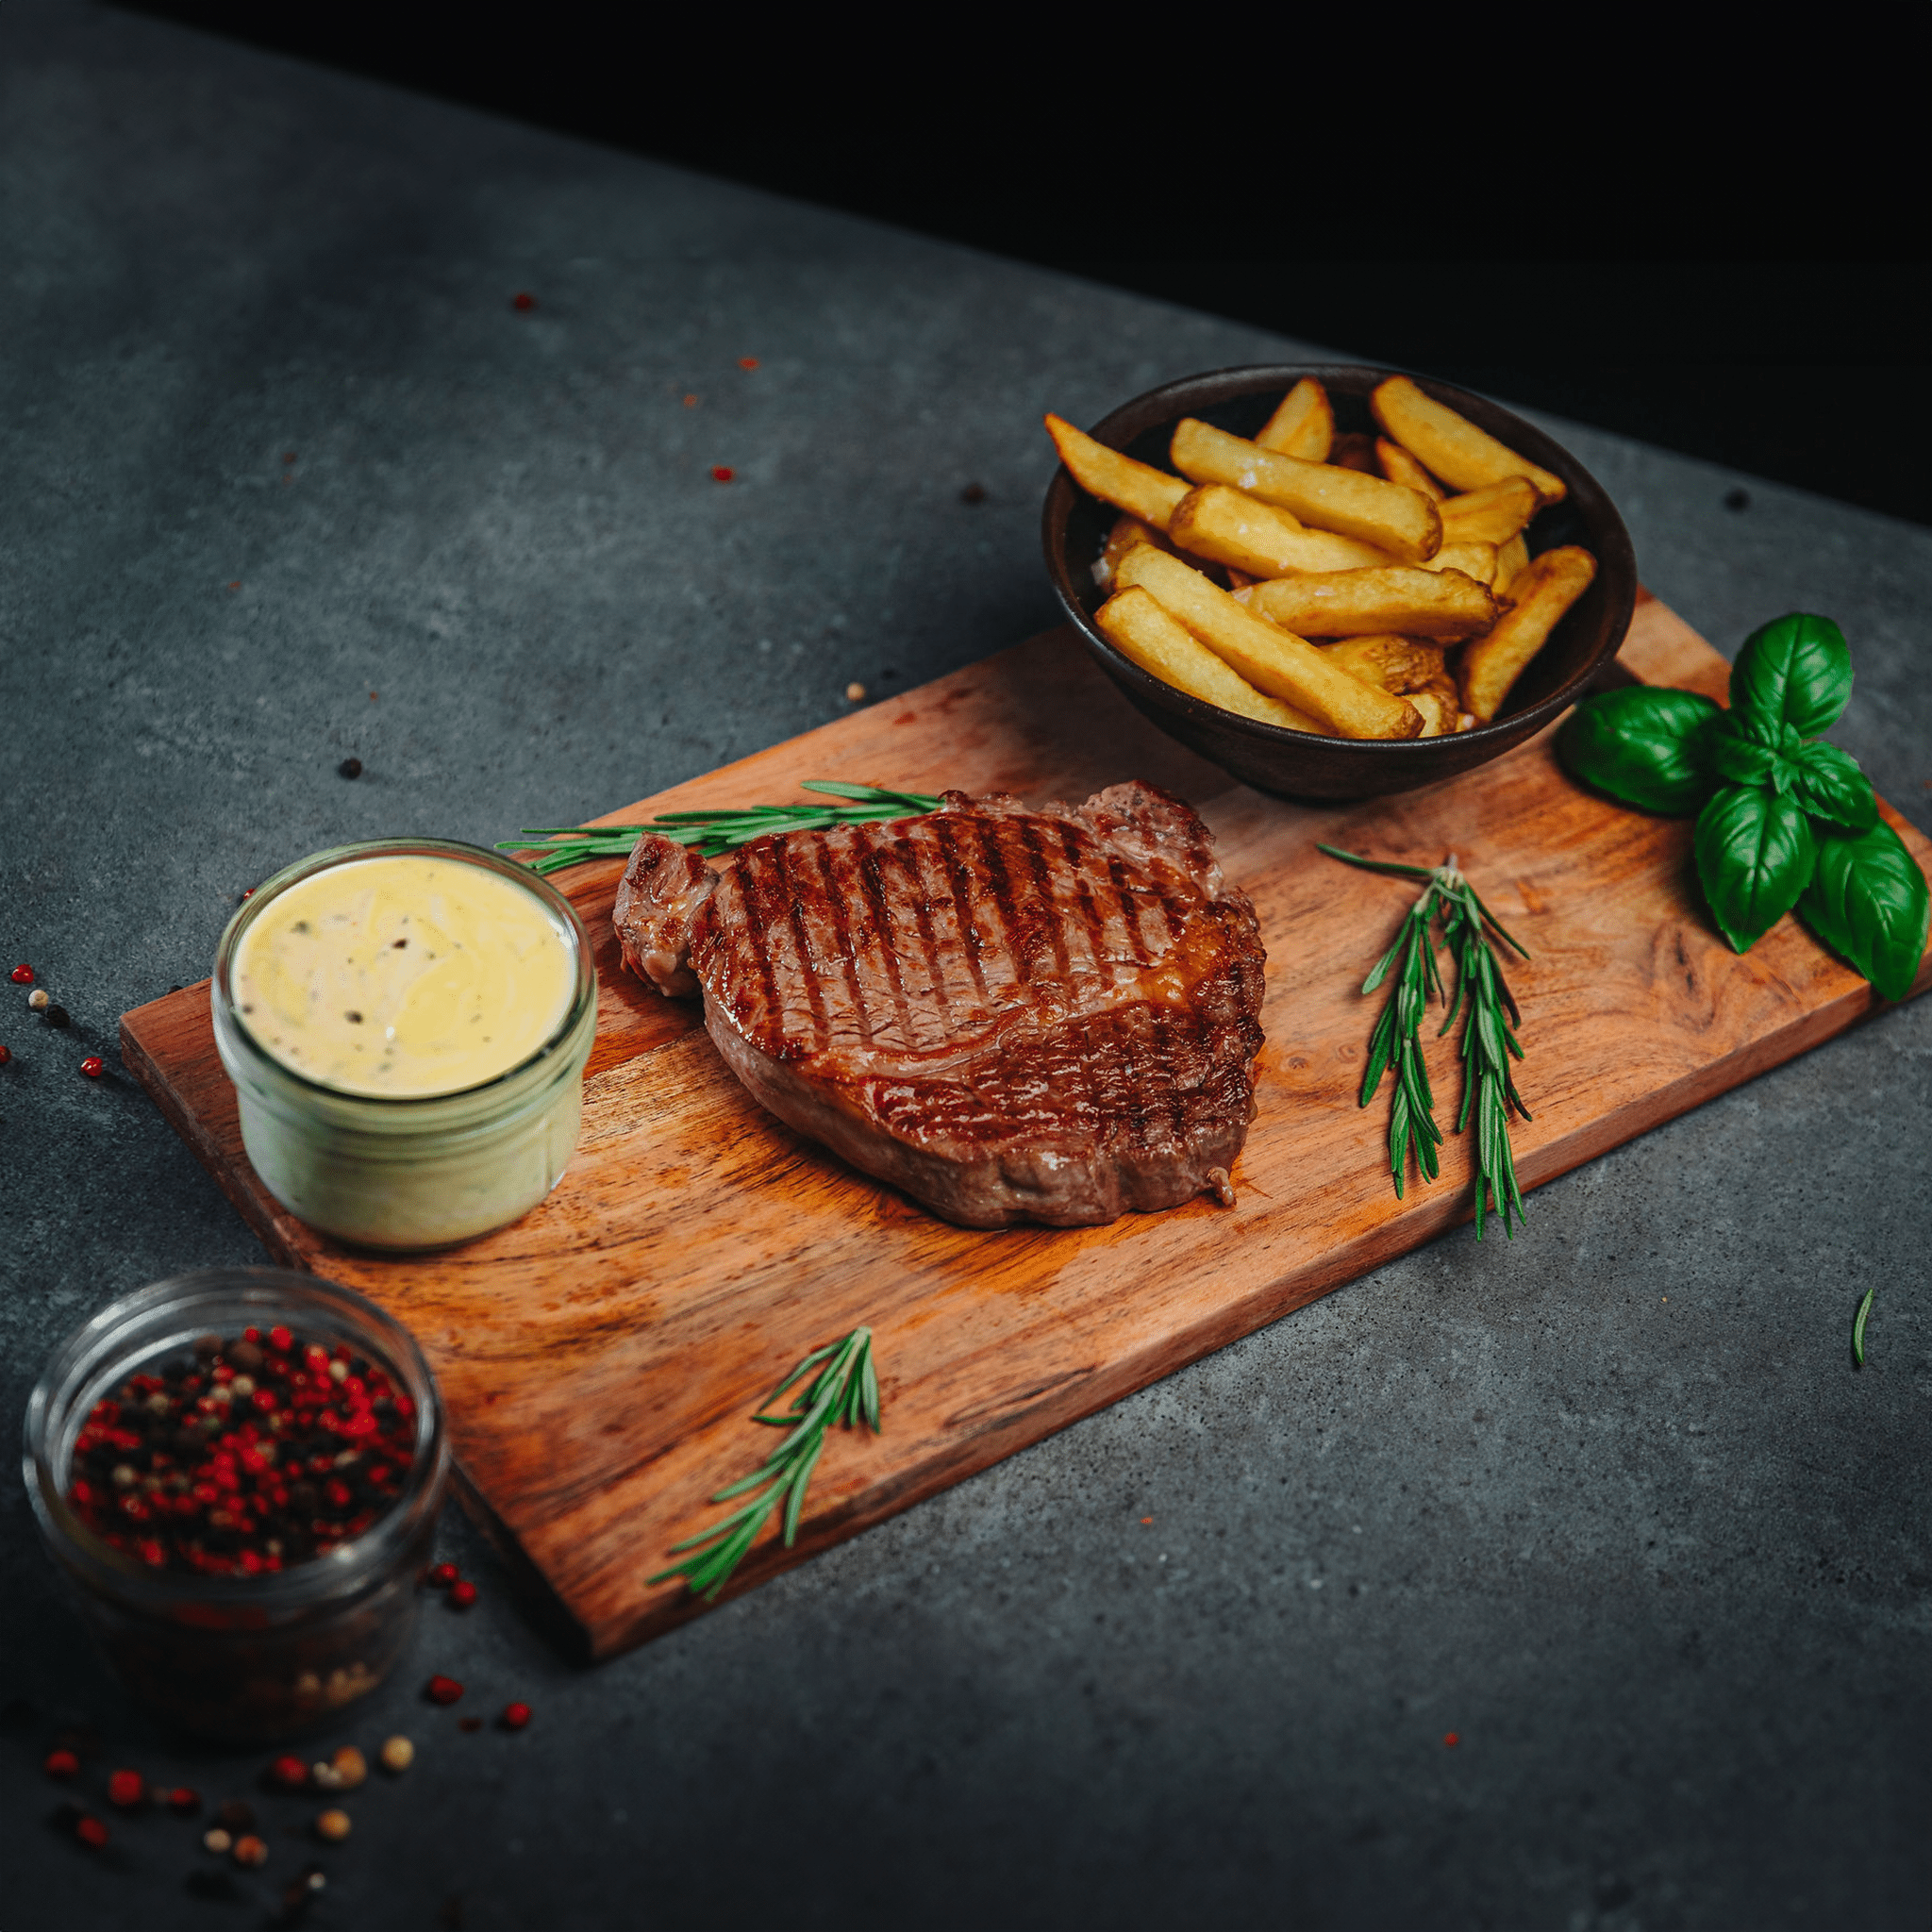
(1543,1581)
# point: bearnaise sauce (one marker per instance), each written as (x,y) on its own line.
(404,975)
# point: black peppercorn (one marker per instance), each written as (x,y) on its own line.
(350,768)
(57,1016)
(973,492)
(236,1815)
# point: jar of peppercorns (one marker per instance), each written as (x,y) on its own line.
(239,1472)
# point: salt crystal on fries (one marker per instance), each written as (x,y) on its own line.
(1492,514)
(1369,509)
(1139,628)
(1359,603)
(1273,661)
(1450,445)
(1544,589)
(1304,425)
(1139,489)
(1230,526)
(1126,532)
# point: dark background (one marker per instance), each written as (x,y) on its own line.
(1661,1565)
(1727,263)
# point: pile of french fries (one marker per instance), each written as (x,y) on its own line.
(1380,587)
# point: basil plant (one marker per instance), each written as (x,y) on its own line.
(1785,822)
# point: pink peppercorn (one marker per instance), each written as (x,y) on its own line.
(462,1594)
(441,1689)
(515,1716)
(126,1788)
(61,1763)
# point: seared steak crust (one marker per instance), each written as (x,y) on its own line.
(1013,1015)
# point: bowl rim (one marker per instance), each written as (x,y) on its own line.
(1616,562)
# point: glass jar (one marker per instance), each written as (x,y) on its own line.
(242,1659)
(414,1173)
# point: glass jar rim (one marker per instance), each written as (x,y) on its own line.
(583,993)
(163,1315)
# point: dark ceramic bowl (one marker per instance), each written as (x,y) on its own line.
(1297,764)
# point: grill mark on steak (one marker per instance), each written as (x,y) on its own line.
(847,945)
(744,883)
(1161,1023)
(1054,916)
(861,855)
(1094,918)
(900,868)
(999,960)
(965,999)
(1126,898)
(1012,1015)
(796,925)
(1062,922)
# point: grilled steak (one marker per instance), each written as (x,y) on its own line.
(1012,1015)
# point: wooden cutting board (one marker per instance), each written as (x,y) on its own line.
(601,1357)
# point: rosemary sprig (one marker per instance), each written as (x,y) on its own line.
(1397,1040)
(719,831)
(1859,1327)
(846,1392)
(1488,1037)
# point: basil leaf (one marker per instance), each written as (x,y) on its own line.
(1868,902)
(1737,755)
(1642,745)
(1755,856)
(1829,785)
(1795,673)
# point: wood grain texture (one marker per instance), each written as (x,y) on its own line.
(600,1358)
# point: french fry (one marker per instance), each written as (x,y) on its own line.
(1492,514)
(1440,711)
(1511,558)
(1126,532)
(1139,489)
(1477,560)
(1543,591)
(1451,446)
(1400,467)
(1230,526)
(1139,628)
(1400,664)
(1369,509)
(1304,425)
(1352,450)
(1274,660)
(1359,603)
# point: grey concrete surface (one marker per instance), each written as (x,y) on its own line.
(1609,1503)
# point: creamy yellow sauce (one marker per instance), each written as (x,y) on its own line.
(403,976)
